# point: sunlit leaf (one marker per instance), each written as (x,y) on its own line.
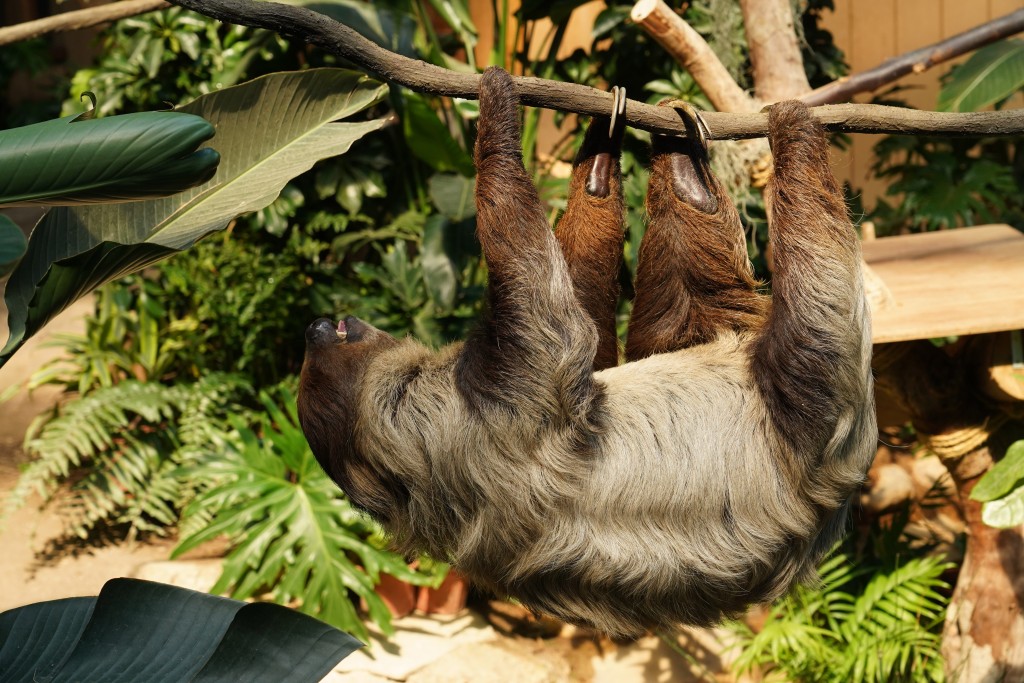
(82,160)
(993,73)
(269,130)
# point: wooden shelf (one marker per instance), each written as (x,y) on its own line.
(954,282)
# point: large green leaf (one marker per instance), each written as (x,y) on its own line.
(389,27)
(12,245)
(291,529)
(268,131)
(81,160)
(429,138)
(991,74)
(1004,477)
(1005,513)
(35,640)
(143,631)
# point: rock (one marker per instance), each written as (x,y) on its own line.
(890,486)
(417,642)
(498,661)
(197,575)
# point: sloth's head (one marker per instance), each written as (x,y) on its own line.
(333,374)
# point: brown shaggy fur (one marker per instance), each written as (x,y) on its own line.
(711,472)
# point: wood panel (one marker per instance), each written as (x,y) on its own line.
(870,31)
(954,282)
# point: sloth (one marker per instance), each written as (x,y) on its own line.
(711,470)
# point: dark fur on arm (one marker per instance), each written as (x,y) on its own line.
(591,233)
(694,279)
(808,361)
(536,344)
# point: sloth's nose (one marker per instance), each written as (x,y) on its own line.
(322,331)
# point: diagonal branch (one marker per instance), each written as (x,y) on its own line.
(918,60)
(693,53)
(77,19)
(342,41)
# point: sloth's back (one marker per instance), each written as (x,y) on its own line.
(692,509)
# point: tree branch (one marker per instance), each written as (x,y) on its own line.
(82,18)
(774,52)
(342,41)
(694,54)
(917,61)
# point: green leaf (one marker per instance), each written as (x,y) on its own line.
(269,130)
(81,160)
(36,639)
(608,19)
(143,631)
(429,139)
(993,73)
(252,652)
(456,14)
(1006,512)
(438,270)
(391,29)
(1005,475)
(12,245)
(292,530)
(453,195)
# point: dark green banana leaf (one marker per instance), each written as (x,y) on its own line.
(12,245)
(82,160)
(144,631)
(269,130)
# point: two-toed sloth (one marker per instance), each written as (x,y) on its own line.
(710,471)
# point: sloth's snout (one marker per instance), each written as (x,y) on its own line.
(323,331)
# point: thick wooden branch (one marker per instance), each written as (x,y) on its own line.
(342,41)
(694,54)
(918,60)
(77,19)
(774,51)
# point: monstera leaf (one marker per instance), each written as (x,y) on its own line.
(81,160)
(268,131)
(143,631)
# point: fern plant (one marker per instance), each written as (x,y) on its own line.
(292,531)
(128,441)
(885,631)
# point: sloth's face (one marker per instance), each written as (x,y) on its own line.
(333,373)
(336,358)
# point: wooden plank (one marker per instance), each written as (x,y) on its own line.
(953,282)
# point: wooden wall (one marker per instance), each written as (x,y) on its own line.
(871,31)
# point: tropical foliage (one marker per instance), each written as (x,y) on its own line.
(939,183)
(292,531)
(1001,490)
(863,625)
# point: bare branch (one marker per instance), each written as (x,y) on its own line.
(82,18)
(694,54)
(774,51)
(342,41)
(917,61)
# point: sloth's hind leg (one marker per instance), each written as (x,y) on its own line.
(591,233)
(694,279)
